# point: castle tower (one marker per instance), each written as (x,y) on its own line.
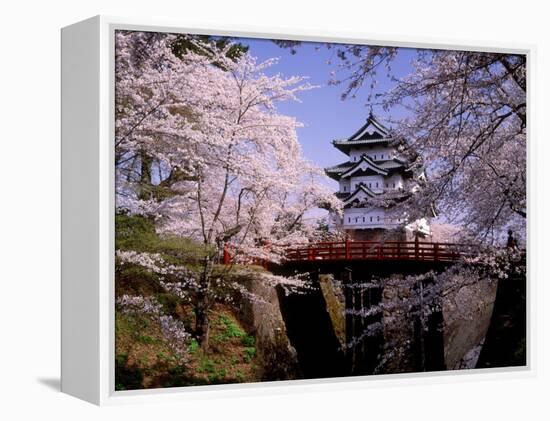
(375,169)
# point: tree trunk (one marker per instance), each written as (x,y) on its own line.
(203,305)
(202,325)
(145,170)
(145,178)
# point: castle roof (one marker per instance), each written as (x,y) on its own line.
(364,165)
(361,188)
(371,133)
(336,172)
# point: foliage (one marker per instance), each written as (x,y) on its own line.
(137,232)
(229,159)
(232,330)
(202,153)
(126,378)
(248,340)
(426,292)
(249,353)
(182,44)
(144,359)
(143,310)
(465,117)
(467,121)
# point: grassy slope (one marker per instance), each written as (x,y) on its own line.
(143,359)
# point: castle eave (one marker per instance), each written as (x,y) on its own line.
(344,145)
(365,164)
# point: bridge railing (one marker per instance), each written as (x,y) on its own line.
(387,250)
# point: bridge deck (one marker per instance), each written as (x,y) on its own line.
(373,250)
(370,250)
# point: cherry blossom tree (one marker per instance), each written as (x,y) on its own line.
(229,168)
(467,123)
(465,118)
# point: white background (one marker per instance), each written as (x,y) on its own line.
(29,208)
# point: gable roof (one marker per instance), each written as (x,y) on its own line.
(372,129)
(360,189)
(335,171)
(364,164)
(389,165)
(372,132)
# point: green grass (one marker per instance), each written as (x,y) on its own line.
(193,346)
(249,353)
(239,375)
(231,328)
(138,233)
(143,357)
(144,360)
(146,339)
(207,366)
(248,341)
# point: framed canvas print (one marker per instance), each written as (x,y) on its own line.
(245,208)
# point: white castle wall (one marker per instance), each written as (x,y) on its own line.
(375,182)
(345,186)
(358,218)
(396,179)
(376,153)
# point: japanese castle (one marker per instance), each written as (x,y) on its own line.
(374,167)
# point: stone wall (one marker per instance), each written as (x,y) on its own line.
(264,320)
(335,305)
(467,312)
(398,328)
(450,337)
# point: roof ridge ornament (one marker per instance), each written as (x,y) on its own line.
(371,130)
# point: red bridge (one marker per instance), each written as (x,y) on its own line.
(372,250)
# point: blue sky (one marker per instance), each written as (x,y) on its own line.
(324,115)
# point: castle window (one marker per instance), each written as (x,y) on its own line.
(376,184)
(355,220)
(374,156)
(378,218)
(387,185)
(344,188)
(370,184)
(382,156)
(393,185)
(349,220)
(371,218)
(363,219)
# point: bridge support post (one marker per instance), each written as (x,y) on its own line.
(226,255)
(399,249)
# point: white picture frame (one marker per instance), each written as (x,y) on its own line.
(88,213)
